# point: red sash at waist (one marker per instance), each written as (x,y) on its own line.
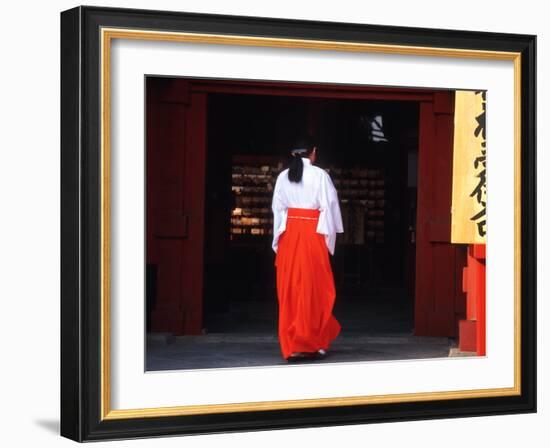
(304,213)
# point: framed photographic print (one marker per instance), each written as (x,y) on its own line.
(271,223)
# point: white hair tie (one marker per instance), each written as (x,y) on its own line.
(298,151)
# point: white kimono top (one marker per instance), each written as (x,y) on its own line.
(315,191)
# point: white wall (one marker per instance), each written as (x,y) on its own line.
(29,236)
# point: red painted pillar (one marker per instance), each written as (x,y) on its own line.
(472,329)
(438,290)
(176,155)
(479,254)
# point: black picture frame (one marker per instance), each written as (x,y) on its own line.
(81,406)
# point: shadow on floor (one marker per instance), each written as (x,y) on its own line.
(375,327)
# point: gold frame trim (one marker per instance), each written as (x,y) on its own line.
(107,34)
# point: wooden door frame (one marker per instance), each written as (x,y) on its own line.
(427,99)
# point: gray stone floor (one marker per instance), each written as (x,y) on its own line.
(231,350)
(377,329)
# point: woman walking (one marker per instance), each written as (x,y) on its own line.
(306,218)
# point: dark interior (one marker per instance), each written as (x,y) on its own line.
(249,137)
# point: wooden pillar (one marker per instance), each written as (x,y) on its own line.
(176,145)
(472,328)
(438,293)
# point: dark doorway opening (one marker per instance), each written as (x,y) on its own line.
(370,149)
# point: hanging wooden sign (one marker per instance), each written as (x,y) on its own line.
(468,210)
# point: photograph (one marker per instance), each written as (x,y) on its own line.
(274,223)
(250,224)
(293,222)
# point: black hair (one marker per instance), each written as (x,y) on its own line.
(303,146)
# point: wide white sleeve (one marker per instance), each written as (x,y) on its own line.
(279,208)
(330,218)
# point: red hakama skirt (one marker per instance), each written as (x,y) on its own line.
(305,286)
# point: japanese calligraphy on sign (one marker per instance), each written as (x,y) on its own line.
(469,200)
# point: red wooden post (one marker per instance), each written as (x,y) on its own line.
(472,329)
(479,254)
(438,290)
(176,149)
